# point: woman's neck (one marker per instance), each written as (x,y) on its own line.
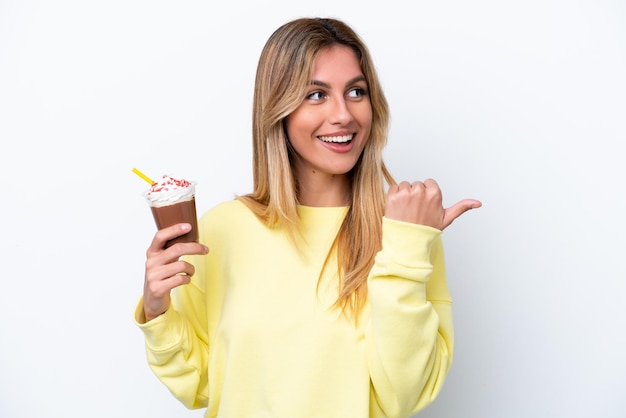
(324,190)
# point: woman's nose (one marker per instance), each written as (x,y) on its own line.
(339,111)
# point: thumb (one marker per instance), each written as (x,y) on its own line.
(458,209)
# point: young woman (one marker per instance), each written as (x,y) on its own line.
(320,293)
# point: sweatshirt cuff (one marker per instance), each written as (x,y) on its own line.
(402,267)
(162,332)
(409,243)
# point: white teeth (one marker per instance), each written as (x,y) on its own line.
(344,138)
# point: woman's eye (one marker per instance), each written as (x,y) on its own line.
(316,95)
(357,92)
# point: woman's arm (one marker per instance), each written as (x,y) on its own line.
(172,316)
(410,337)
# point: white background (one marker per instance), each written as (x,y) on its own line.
(521,104)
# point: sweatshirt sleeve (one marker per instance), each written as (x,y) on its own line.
(410,335)
(176,344)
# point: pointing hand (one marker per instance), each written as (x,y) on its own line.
(421,203)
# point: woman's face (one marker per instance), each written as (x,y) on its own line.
(328,131)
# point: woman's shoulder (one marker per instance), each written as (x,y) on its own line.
(227,218)
(227,210)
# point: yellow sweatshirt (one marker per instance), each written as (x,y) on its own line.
(252,336)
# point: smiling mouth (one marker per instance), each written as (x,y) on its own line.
(343,139)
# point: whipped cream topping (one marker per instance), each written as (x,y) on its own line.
(170,189)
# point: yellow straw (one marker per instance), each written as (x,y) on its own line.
(143,176)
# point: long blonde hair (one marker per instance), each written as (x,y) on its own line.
(283,74)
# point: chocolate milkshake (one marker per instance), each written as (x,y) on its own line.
(172,201)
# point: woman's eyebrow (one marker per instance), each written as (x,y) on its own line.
(326,85)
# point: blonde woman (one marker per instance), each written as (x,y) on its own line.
(322,293)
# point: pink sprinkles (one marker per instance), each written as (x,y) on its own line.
(168,183)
